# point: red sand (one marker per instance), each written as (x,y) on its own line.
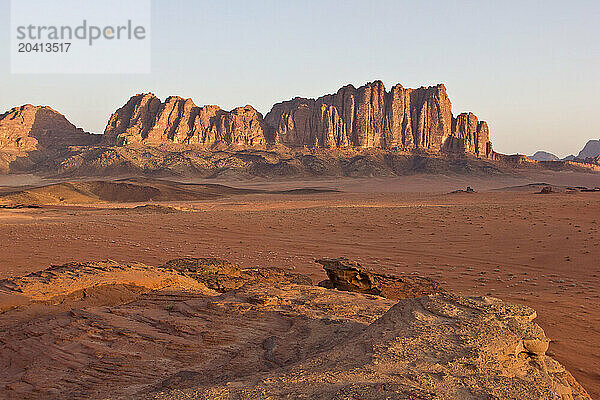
(540,250)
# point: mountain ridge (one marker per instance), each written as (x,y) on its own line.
(363,117)
(357,131)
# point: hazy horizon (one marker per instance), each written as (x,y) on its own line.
(530,70)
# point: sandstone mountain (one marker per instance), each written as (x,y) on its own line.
(369,116)
(364,131)
(207,329)
(32,133)
(29,128)
(145,119)
(364,117)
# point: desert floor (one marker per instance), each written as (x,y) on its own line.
(540,250)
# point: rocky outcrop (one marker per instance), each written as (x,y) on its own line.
(30,128)
(365,117)
(145,119)
(350,276)
(371,117)
(222,276)
(111,330)
(433,347)
(469,135)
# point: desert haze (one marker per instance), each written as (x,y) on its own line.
(367,244)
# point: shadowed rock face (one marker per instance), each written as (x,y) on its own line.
(111,330)
(364,117)
(350,276)
(590,150)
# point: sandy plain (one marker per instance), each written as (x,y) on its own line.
(523,247)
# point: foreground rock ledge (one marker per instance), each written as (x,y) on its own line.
(185,331)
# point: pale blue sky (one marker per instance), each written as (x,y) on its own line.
(530,68)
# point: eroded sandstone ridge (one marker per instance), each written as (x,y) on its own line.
(371,117)
(364,131)
(365,117)
(145,119)
(208,329)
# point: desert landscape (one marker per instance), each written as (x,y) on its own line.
(366,244)
(504,240)
(285,200)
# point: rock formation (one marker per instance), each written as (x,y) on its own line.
(364,131)
(364,117)
(145,119)
(223,276)
(350,276)
(30,128)
(111,330)
(371,117)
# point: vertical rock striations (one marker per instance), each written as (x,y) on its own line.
(365,117)
(370,117)
(145,119)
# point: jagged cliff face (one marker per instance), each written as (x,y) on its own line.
(145,119)
(369,116)
(364,117)
(470,135)
(29,128)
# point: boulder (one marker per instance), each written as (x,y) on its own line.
(350,276)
